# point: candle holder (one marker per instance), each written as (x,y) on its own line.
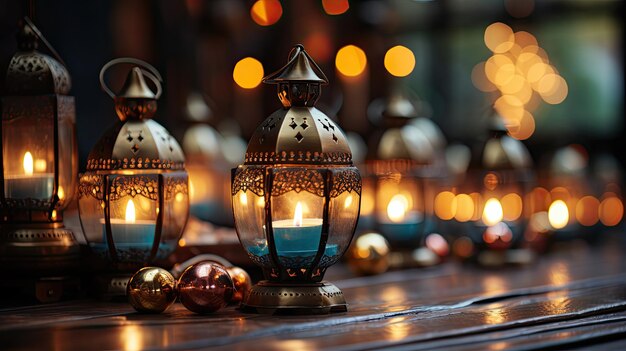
(38,168)
(400,177)
(296,197)
(497,181)
(133,199)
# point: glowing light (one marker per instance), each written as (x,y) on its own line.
(558,214)
(437,244)
(297,216)
(28,163)
(611,211)
(243,199)
(492,214)
(524,128)
(397,207)
(464,208)
(479,79)
(510,107)
(132,338)
(61,193)
(40,165)
(348,202)
(511,207)
(179,197)
(350,60)
(499,37)
(266,12)
(558,91)
(335,7)
(130,211)
(499,231)
(587,210)
(443,205)
(367,203)
(399,61)
(248,73)
(493,65)
(525,39)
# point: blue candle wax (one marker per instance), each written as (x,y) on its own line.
(406,229)
(289,237)
(31,186)
(139,233)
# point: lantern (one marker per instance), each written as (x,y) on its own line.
(133,199)
(492,197)
(296,197)
(398,181)
(39,162)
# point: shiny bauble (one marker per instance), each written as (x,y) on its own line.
(369,254)
(242,282)
(205,287)
(151,290)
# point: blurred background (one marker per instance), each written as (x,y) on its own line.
(219,50)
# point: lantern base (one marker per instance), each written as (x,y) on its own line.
(111,287)
(279,298)
(38,249)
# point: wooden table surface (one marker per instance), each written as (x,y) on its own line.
(574,298)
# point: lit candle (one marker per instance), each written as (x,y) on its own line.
(558,214)
(496,228)
(29,185)
(130,231)
(400,224)
(298,234)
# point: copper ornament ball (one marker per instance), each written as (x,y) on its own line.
(242,282)
(369,254)
(205,287)
(151,290)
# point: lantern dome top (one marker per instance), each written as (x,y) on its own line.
(299,133)
(135,142)
(500,151)
(31,72)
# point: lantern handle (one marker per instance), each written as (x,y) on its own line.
(37,32)
(147,69)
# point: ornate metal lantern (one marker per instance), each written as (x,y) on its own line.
(133,199)
(496,185)
(39,161)
(399,175)
(296,197)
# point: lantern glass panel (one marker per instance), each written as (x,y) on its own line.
(176,202)
(68,155)
(343,211)
(399,207)
(249,211)
(91,205)
(28,151)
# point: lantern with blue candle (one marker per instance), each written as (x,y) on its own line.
(296,197)
(133,199)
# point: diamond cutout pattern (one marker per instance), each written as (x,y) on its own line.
(335,138)
(299,137)
(293,124)
(135,148)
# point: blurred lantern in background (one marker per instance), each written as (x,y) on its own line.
(398,189)
(296,198)
(209,190)
(575,202)
(39,167)
(490,201)
(133,199)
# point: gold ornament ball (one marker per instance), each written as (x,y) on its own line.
(151,290)
(369,254)
(242,282)
(205,287)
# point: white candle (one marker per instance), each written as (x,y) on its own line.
(29,185)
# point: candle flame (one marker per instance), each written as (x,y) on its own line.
(297,216)
(558,214)
(28,163)
(397,207)
(130,211)
(493,212)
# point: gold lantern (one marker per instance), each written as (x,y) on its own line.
(296,197)
(133,199)
(492,202)
(39,163)
(399,178)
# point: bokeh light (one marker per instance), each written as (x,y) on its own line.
(444,205)
(464,207)
(587,210)
(399,61)
(335,7)
(266,12)
(611,211)
(350,61)
(248,73)
(499,37)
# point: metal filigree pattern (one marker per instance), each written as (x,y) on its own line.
(91,185)
(298,157)
(37,73)
(298,179)
(249,178)
(27,107)
(174,186)
(122,186)
(132,163)
(295,268)
(346,180)
(32,204)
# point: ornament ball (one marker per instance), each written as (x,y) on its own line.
(151,290)
(242,282)
(205,287)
